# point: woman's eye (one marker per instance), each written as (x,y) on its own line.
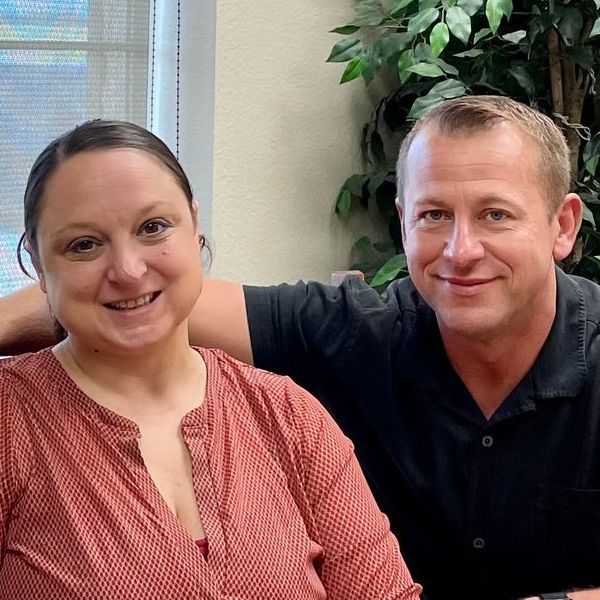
(153,227)
(84,246)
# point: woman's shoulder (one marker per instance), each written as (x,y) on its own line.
(262,393)
(23,373)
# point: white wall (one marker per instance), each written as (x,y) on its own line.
(285,138)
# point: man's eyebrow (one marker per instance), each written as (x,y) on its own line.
(489,199)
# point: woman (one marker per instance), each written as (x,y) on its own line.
(134,466)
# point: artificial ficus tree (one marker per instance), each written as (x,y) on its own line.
(544,53)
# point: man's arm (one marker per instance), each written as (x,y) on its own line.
(218,320)
(25,323)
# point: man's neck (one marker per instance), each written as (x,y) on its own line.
(491,368)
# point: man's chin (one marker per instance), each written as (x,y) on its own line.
(469,323)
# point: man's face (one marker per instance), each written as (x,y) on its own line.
(477,232)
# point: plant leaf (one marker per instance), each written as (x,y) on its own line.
(515,37)
(581,55)
(405,60)
(596,28)
(345,30)
(506,6)
(422,20)
(363,244)
(344,202)
(481,34)
(524,79)
(423,52)
(494,13)
(353,69)
(439,38)
(371,63)
(571,24)
(451,88)
(591,154)
(424,4)
(423,104)
(446,67)
(459,23)
(354,184)
(388,45)
(368,13)
(345,50)
(426,70)
(470,53)
(399,5)
(471,7)
(389,270)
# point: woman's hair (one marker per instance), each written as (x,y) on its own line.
(93,135)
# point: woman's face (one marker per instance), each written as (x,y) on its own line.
(118,251)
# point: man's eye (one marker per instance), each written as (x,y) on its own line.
(84,246)
(433,215)
(496,215)
(153,227)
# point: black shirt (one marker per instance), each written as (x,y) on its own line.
(482,509)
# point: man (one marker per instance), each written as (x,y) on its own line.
(469,389)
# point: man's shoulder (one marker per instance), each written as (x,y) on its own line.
(586,291)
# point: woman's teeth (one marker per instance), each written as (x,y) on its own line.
(128,304)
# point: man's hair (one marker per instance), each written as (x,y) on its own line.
(476,114)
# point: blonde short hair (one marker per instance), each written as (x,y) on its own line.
(475,114)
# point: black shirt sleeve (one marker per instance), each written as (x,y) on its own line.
(306,330)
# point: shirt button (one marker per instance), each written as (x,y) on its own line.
(479,543)
(487,441)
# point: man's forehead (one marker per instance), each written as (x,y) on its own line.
(432,145)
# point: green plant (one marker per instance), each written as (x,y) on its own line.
(544,53)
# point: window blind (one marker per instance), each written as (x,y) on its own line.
(62,62)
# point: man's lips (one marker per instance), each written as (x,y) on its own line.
(466,281)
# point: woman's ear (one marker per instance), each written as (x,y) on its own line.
(195,215)
(35,261)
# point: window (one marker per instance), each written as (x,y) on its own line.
(63,62)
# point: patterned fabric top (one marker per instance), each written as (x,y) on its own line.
(285,508)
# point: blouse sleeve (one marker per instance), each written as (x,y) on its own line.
(361,556)
(15,456)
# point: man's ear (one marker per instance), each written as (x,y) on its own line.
(401,217)
(568,217)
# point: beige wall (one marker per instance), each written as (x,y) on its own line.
(285,138)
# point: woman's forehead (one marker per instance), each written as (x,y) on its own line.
(116,180)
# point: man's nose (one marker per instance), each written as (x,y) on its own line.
(127,264)
(464,244)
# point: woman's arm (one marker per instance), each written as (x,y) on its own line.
(361,557)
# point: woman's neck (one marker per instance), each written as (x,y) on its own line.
(155,381)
